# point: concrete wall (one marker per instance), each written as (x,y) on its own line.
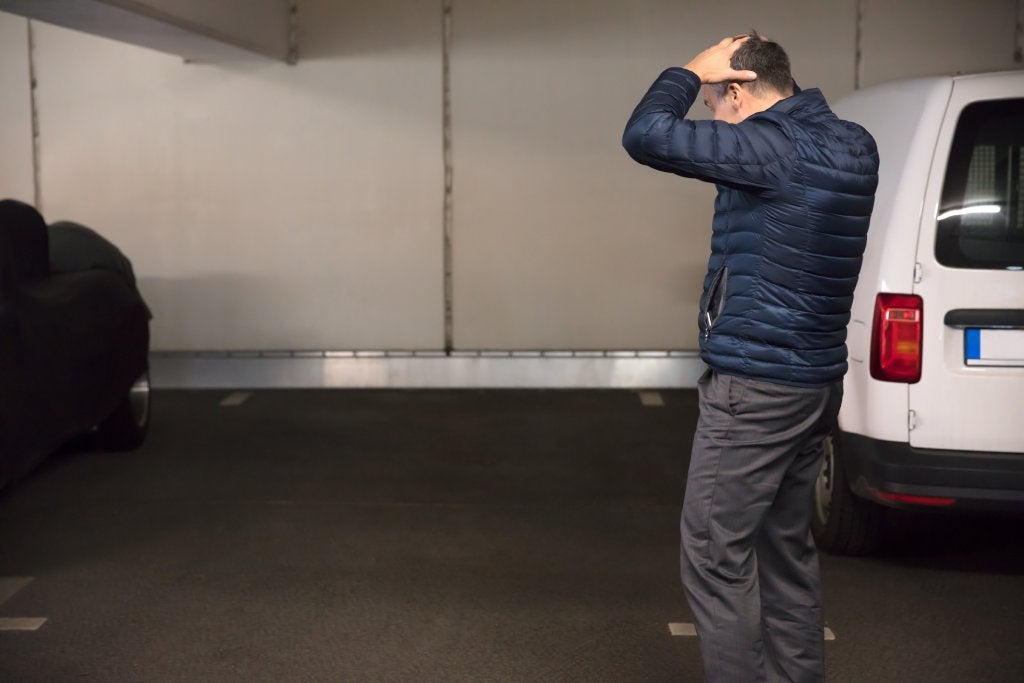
(921,37)
(15,111)
(561,240)
(264,206)
(276,207)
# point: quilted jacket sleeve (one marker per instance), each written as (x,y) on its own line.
(752,156)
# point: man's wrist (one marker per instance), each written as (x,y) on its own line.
(688,72)
(693,70)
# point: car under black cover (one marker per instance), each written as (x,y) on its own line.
(74,341)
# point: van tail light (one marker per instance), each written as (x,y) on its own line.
(896,338)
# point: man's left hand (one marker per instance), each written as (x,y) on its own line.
(712,65)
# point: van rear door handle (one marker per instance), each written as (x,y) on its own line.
(1006,318)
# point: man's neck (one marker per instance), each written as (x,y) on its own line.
(759,104)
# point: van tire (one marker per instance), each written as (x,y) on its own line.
(842,523)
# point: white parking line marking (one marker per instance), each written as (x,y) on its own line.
(9,586)
(689,631)
(236,399)
(682,630)
(651,399)
(21,624)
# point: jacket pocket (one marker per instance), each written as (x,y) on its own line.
(714,301)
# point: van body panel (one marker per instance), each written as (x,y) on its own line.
(905,118)
(960,406)
(976,480)
(948,227)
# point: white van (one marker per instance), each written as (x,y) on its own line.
(933,414)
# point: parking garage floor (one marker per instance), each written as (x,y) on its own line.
(436,536)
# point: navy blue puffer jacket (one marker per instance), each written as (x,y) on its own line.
(796,187)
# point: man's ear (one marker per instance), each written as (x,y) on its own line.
(734,95)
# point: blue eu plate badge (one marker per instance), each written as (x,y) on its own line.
(994,347)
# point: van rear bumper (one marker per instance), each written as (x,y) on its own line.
(980,481)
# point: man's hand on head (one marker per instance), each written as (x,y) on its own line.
(712,65)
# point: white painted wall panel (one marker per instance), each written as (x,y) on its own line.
(561,240)
(15,111)
(904,38)
(264,206)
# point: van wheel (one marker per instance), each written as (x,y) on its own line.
(126,428)
(842,523)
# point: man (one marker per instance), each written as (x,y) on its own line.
(795,191)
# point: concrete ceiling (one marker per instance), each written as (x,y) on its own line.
(196,30)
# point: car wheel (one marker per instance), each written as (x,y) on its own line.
(842,523)
(126,428)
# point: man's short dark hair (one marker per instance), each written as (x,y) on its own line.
(768,60)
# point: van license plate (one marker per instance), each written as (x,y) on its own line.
(983,346)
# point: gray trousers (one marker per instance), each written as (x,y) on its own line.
(749,565)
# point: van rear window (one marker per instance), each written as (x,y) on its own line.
(981,217)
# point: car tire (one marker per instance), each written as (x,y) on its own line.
(842,522)
(126,428)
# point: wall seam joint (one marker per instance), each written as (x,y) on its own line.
(446,137)
(1018,48)
(33,103)
(858,57)
(293,32)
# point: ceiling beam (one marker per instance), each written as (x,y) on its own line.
(196,30)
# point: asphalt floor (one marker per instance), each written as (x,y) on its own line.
(436,536)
